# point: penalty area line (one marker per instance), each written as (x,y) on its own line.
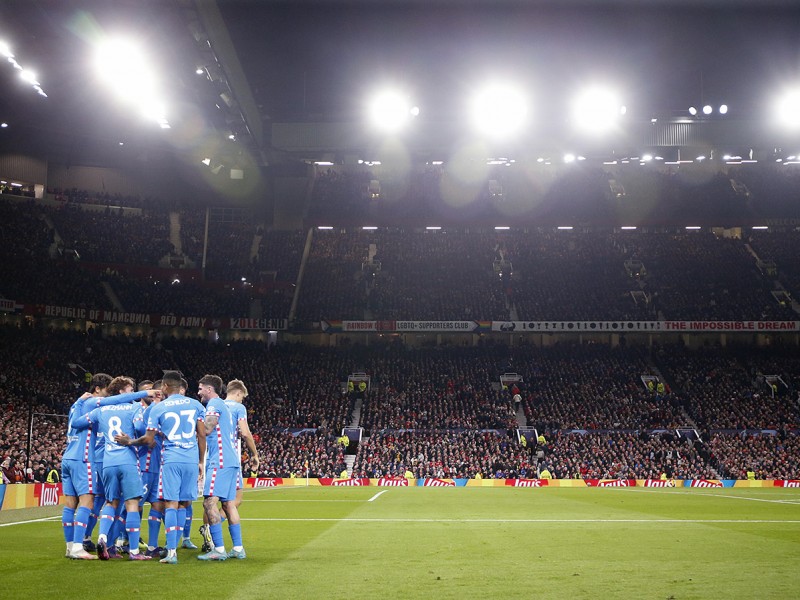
(376,496)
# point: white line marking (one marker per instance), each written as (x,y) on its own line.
(656,521)
(58,517)
(376,496)
(292,500)
(748,498)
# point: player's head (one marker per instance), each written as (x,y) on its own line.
(99,383)
(184,386)
(236,390)
(143,386)
(120,385)
(209,387)
(171,382)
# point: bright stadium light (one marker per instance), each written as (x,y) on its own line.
(723,109)
(693,111)
(390,111)
(597,109)
(787,108)
(499,110)
(708,109)
(122,65)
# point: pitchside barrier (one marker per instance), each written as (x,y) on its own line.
(49,494)
(271,482)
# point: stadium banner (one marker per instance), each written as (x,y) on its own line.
(709,483)
(528,483)
(10,306)
(660,483)
(263,482)
(30,495)
(351,482)
(644,326)
(786,483)
(406,326)
(436,482)
(610,482)
(390,482)
(153,320)
(755,483)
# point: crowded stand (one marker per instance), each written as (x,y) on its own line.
(592,387)
(625,455)
(440,412)
(442,454)
(113,236)
(720,390)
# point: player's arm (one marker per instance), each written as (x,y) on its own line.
(211,420)
(85,421)
(247,436)
(201,442)
(121,398)
(148,439)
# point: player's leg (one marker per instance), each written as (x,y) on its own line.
(70,504)
(84,479)
(186,542)
(132,492)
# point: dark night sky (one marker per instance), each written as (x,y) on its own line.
(327,54)
(322,57)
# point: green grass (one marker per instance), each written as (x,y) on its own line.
(453,543)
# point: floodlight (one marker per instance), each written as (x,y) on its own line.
(707,109)
(788,108)
(122,65)
(597,109)
(723,109)
(390,111)
(692,111)
(499,110)
(5,50)
(28,76)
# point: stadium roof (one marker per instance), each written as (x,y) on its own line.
(277,60)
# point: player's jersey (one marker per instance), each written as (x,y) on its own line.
(81,443)
(149,458)
(239,414)
(111,421)
(176,419)
(220,449)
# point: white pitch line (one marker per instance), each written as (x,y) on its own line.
(292,500)
(795,502)
(376,496)
(58,517)
(655,521)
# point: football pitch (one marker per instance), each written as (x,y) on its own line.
(422,542)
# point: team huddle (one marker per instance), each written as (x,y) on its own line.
(156,446)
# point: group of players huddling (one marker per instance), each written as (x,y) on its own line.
(155,445)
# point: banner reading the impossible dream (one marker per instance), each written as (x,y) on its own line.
(645,326)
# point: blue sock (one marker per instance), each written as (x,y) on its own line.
(187,527)
(67,522)
(216,535)
(94,515)
(154,526)
(171,527)
(107,520)
(122,515)
(181,520)
(133,523)
(236,534)
(79,525)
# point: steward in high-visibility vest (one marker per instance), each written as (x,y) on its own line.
(751,475)
(53,476)
(343,474)
(545,474)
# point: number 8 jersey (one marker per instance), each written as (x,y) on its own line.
(175,418)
